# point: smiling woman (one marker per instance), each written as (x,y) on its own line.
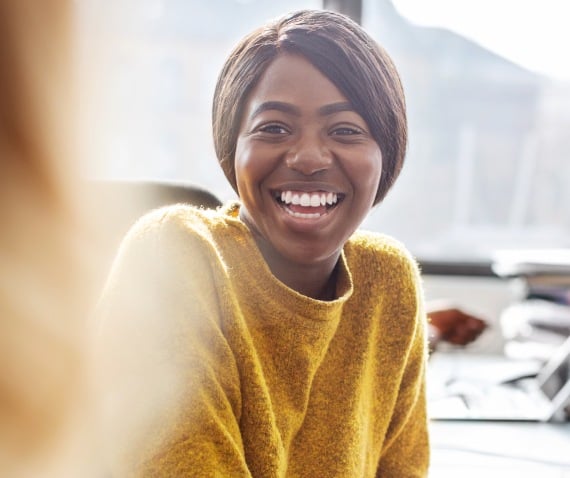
(271,337)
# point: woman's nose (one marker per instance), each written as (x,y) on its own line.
(309,156)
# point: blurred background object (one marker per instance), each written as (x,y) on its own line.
(538,321)
(451,324)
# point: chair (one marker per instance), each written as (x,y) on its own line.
(118,204)
(124,201)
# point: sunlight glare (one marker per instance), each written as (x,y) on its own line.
(532,33)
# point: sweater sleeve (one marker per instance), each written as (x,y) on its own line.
(406,450)
(170,394)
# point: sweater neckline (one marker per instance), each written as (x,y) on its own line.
(276,290)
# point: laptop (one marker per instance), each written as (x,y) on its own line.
(463,386)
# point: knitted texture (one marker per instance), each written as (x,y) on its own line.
(212,367)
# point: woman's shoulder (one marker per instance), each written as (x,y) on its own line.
(380,252)
(172,232)
(178,220)
(378,245)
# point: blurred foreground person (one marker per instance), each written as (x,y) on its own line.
(44,280)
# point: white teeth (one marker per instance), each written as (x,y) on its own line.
(309,199)
(313,215)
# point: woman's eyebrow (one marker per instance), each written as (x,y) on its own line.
(278,106)
(288,108)
(335,108)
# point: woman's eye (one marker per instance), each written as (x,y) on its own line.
(273,129)
(346,131)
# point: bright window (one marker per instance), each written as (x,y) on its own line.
(487,165)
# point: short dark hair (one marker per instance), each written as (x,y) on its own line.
(342,51)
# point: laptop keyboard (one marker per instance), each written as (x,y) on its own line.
(506,401)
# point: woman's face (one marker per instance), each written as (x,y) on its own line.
(307,167)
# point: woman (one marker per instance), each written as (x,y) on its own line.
(270,337)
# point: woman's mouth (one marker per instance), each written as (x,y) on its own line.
(307,205)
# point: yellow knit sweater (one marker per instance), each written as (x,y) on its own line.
(214,368)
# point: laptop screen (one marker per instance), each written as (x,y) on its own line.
(556,372)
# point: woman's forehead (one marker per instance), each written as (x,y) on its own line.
(291,78)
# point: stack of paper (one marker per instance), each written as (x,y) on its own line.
(531,262)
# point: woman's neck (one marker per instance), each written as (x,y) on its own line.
(316,280)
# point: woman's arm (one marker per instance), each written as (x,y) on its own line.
(169,383)
(406,449)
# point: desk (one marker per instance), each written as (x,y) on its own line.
(499,449)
